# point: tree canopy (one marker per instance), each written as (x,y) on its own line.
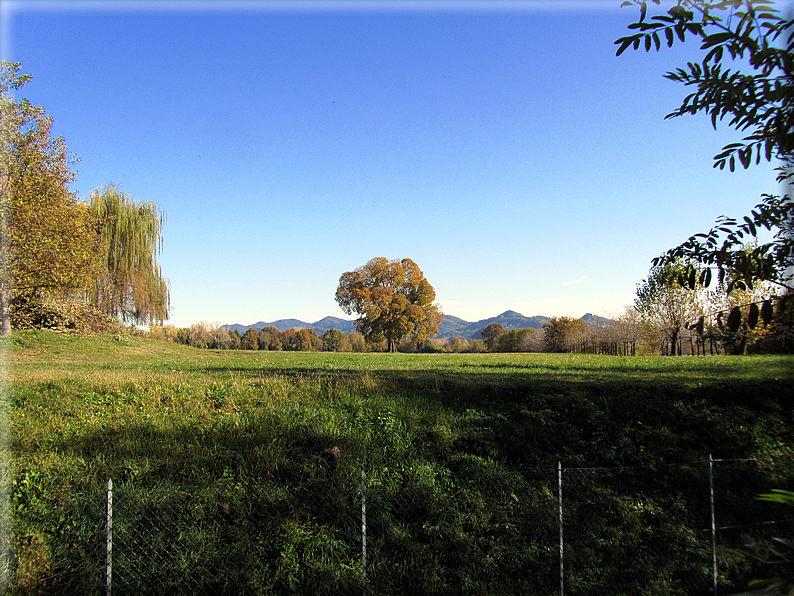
(490,335)
(755,95)
(130,284)
(45,239)
(669,307)
(394,299)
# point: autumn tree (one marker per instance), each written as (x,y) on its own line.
(303,340)
(357,342)
(266,336)
(747,78)
(223,339)
(250,339)
(45,240)
(335,341)
(560,333)
(457,344)
(393,299)
(130,284)
(516,340)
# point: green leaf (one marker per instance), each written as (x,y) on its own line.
(735,319)
(766,312)
(625,43)
(778,495)
(714,39)
(669,33)
(752,318)
(745,157)
(692,278)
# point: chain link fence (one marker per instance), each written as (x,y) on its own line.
(475,528)
(296,538)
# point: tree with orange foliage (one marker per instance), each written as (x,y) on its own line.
(394,299)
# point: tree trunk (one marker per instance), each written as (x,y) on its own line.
(674,348)
(5,315)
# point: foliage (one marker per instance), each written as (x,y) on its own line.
(740,261)
(777,555)
(394,299)
(45,241)
(73,316)
(490,335)
(560,333)
(301,340)
(462,345)
(669,307)
(198,335)
(250,340)
(518,340)
(128,234)
(335,341)
(51,245)
(357,342)
(757,100)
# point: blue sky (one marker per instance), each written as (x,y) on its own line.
(502,146)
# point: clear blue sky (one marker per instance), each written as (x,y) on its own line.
(502,146)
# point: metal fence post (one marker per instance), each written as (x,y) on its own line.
(562,557)
(109,540)
(713,526)
(363,534)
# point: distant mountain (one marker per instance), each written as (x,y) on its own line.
(509,320)
(595,321)
(320,326)
(450,327)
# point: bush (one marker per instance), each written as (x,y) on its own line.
(29,311)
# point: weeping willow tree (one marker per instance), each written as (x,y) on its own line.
(130,284)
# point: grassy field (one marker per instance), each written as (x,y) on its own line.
(271,446)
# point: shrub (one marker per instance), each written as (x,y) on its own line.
(29,311)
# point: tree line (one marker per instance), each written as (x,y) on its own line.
(216,337)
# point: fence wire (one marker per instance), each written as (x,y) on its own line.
(272,538)
(473,528)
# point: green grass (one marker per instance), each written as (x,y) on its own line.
(460,451)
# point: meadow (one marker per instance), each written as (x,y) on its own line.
(254,460)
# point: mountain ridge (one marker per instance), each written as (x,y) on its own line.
(451,326)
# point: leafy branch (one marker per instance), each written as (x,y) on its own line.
(761,101)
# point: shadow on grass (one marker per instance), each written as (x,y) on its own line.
(462,489)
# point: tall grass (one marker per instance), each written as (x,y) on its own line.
(257,431)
